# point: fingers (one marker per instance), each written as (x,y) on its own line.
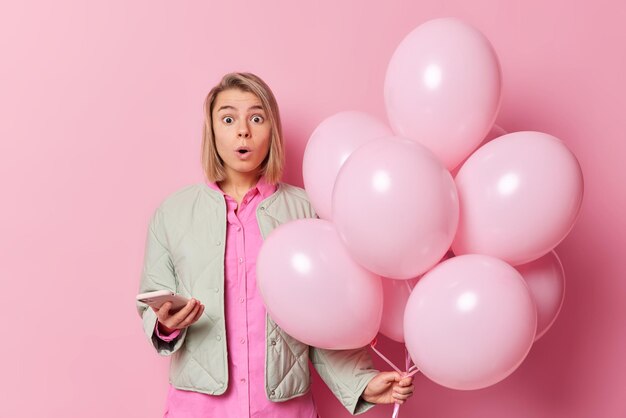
(163,311)
(199,314)
(190,318)
(186,316)
(185,311)
(390,377)
(404,390)
(400,399)
(402,393)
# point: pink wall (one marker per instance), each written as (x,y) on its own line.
(101,115)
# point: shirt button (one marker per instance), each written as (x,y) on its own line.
(218,338)
(240,260)
(262,208)
(238,228)
(272,393)
(217,290)
(243,380)
(241,300)
(242,341)
(273,342)
(218,243)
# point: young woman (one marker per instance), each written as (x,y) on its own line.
(228,358)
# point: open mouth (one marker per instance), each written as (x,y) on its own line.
(243,151)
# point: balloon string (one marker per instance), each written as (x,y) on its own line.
(393,366)
(408,286)
(410,370)
(396,410)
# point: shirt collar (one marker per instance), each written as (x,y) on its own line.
(265,189)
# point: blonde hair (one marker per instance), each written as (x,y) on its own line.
(272,166)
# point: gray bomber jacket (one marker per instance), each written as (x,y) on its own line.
(185,253)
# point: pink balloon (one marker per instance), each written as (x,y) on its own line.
(546,280)
(314,291)
(494,133)
(395,295)
(470,322)
(442,88)
(520,195)
(395,207)
(329,147)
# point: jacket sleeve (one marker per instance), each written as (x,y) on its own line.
(347,373)
(158,274)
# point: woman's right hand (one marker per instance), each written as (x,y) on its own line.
(186,316)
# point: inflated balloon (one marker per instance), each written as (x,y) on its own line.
(395,207)
(494,132)
(546,280)
(395,295)
(520,195)
(442,88)
(314,290)
(470,322)
(329,147)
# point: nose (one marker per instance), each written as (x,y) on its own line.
(243,131)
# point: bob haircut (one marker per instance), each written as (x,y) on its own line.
(273,164)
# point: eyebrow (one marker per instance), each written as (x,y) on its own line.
(233,108)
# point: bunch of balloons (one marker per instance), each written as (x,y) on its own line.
(461,269)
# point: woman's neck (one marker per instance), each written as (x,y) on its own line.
(236,185)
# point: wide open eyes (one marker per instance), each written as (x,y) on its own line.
(257,119)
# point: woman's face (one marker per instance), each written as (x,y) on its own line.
(242,131)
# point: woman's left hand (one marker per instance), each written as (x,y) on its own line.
(388,387)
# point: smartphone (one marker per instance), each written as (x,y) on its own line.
(157,298)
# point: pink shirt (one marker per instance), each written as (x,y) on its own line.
(245,328)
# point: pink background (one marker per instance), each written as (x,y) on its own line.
(100,106)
